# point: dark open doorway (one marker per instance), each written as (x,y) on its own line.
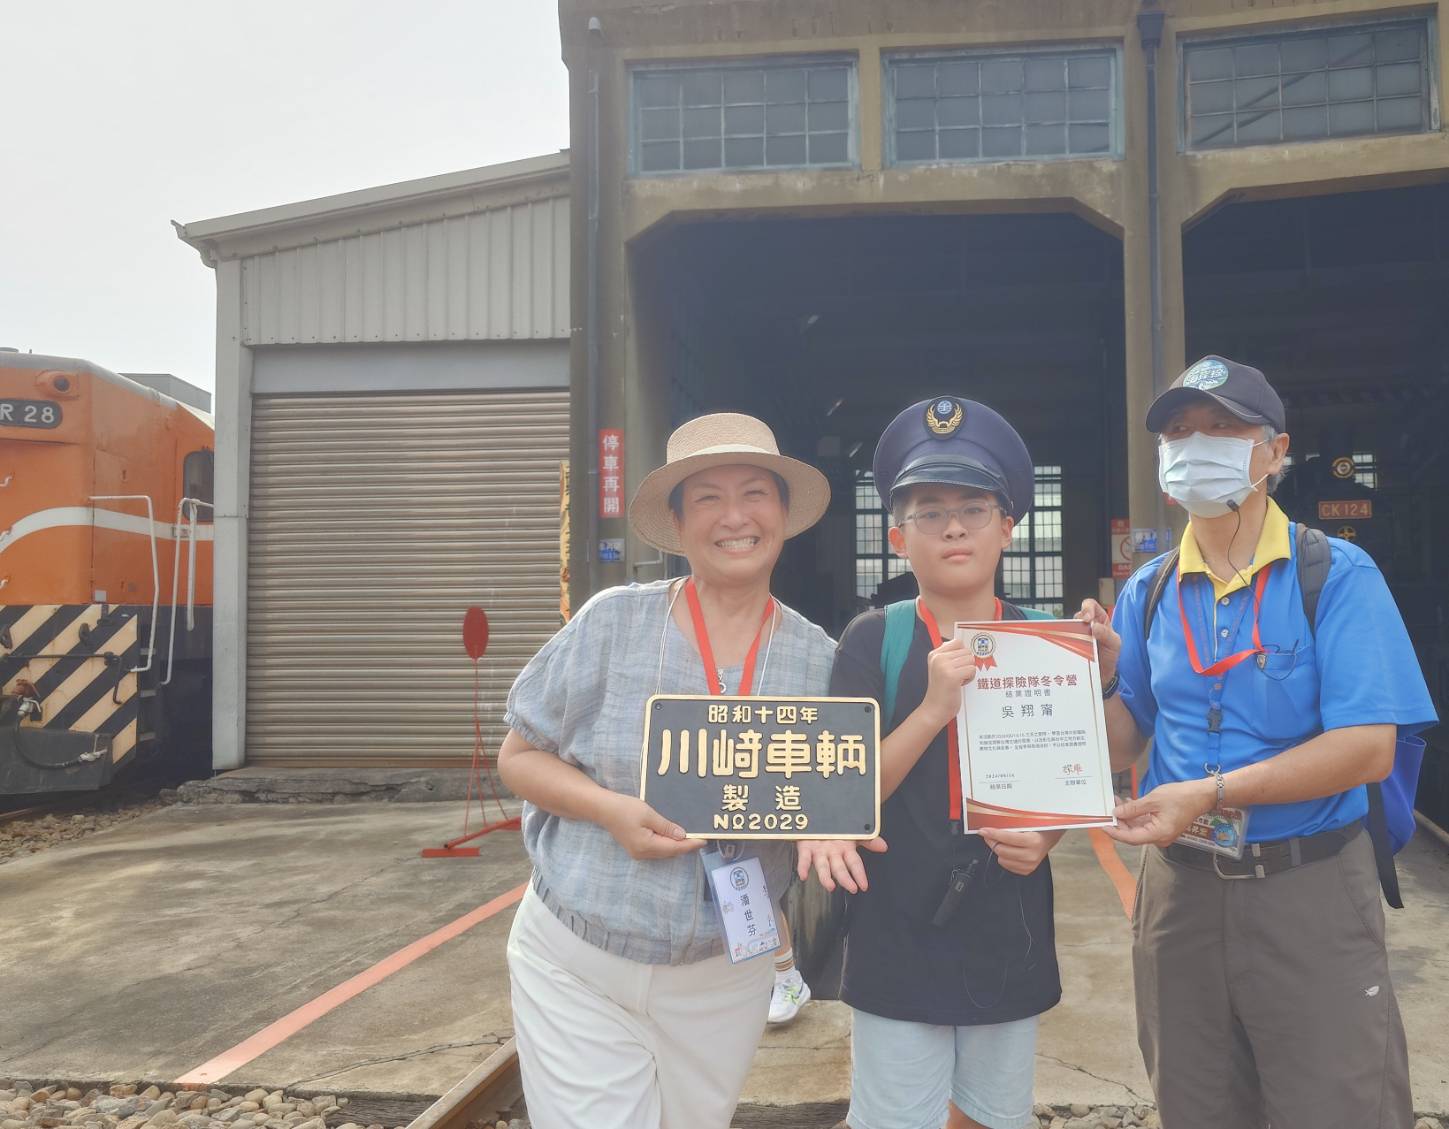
(1343,300)
(827,327)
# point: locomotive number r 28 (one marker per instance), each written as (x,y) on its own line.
(29,413)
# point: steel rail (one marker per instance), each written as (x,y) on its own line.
(489,1091)
(22,813)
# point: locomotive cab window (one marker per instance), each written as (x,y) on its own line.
(198,473)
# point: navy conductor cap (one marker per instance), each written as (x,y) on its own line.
(953,442)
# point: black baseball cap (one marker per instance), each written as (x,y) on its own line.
(1241,389)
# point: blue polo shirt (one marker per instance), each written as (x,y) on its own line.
(1359,668)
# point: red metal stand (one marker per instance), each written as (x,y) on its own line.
(475,642)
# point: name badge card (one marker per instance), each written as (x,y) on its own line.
(1219,831)
(763,768)
(1033,737)
(742,902)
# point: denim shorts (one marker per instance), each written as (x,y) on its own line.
(901,1074)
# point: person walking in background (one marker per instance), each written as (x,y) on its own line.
(790,992)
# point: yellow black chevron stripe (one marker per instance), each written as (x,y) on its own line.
(79,658)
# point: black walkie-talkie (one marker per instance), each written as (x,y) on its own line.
(961,879)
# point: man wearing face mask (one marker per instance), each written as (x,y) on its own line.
(1262,982)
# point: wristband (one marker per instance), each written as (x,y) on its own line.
(1109,691)
(1216,772)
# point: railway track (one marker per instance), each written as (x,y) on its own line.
(494,1092)
(23,813)
(489,1093)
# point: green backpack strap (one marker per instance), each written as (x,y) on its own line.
(895,645)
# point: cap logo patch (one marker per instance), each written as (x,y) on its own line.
(944,417)
(1205,375)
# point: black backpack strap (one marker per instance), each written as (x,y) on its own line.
(1314,559)
(1315,556)
(1378,827)
(1165,568)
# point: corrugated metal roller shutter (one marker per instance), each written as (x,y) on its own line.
(376,520)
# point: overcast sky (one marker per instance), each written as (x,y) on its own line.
(117,118)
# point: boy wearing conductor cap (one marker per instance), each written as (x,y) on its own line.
(946,977)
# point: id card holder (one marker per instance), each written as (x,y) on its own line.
(742,905)
(1222,831)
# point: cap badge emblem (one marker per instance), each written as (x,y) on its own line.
(944,417)
(1206,374)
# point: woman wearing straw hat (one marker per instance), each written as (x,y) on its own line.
(627,1012)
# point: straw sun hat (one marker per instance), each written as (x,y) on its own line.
(723,439)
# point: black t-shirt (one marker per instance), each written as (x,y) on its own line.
(995,960)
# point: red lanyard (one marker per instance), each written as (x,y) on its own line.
(706,652)
(1223,665)
(953,768)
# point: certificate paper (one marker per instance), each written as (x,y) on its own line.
(1033,738)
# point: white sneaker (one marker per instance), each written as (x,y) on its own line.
(790,995)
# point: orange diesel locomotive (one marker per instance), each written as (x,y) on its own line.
(105,575)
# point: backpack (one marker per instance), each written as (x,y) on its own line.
(1390,818)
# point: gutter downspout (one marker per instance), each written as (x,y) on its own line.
(1149,29)
(591,307)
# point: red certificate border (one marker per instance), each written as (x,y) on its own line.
(1076,637)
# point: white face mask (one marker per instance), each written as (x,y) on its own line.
(1207,475)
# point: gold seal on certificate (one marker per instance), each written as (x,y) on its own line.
(1033,737)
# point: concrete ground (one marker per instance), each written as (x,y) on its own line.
(145,951)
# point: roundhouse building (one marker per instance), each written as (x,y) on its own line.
(820,211)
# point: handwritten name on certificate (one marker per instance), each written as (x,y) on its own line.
(1033,738)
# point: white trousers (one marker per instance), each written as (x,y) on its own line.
(609,1043)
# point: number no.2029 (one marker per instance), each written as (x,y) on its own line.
(761,821)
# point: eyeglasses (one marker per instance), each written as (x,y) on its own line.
(933,522)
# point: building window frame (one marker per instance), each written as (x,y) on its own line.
(891,60)
(648,68)
(1426,23)
(875,560)
(1042,552)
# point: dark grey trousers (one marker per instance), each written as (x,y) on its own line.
(1268,1001)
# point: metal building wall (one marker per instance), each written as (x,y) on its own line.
(400,290)
(498,274)
(375,521)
